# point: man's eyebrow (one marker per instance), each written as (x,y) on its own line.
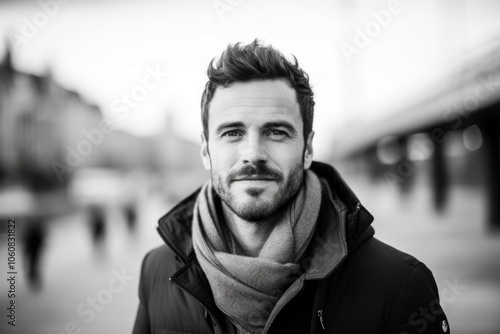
(228,125)
(281,124)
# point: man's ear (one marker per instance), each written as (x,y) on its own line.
(205,156)
(308,152)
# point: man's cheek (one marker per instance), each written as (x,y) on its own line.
(223,160)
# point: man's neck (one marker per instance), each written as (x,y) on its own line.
(250,236)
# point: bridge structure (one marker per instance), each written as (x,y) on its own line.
(452,132)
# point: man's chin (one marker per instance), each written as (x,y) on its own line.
(252,208)
(254,214)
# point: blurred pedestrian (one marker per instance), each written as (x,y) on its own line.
(34,241)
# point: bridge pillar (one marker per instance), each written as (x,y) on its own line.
(491,145)
(440,182)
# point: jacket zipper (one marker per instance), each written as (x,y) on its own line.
(356,214)
(192,294)
(320,316)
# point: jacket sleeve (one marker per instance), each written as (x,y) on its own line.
(416,306)
(142,324)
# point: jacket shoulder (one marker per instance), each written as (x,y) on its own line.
(390,271)
(159,263)
(388,288)
(384,264)
(393,265)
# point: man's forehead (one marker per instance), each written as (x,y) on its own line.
(268,96)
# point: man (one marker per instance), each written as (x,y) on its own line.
(274,242)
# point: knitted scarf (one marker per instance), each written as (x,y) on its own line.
(247,288)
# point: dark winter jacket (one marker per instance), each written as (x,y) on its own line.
(351,282)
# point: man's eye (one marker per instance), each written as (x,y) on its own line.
(277,133)
(231,134)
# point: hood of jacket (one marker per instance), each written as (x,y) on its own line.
(343,224)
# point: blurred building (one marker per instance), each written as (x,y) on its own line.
(38,120)
(446,138)
(49,135)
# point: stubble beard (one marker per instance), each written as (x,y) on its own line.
(256,209)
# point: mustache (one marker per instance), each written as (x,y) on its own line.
(256,170)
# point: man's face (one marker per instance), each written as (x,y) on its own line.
(255,151)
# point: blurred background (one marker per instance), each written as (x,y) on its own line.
(100,136)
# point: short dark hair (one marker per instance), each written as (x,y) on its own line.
(254,61)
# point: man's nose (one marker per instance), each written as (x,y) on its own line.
(253,151)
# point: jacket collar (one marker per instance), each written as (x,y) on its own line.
(354,220)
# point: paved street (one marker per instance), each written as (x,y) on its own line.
(73,271)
